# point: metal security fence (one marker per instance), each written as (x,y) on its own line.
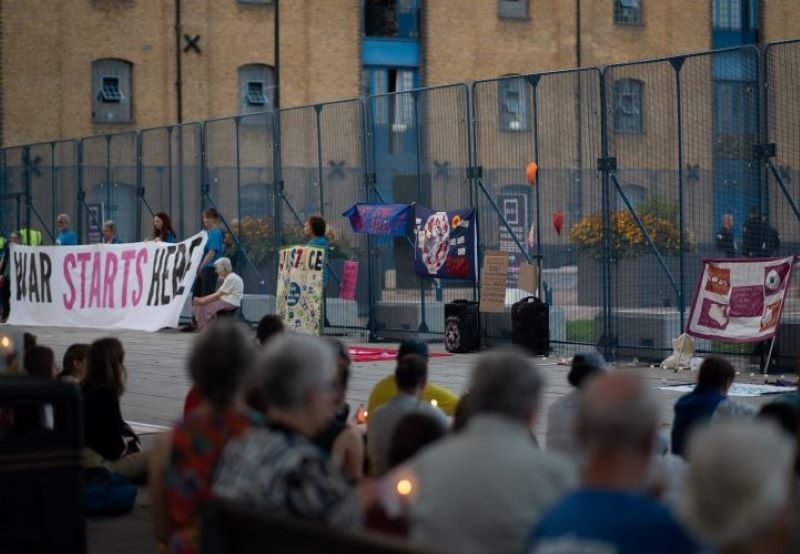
(640,165)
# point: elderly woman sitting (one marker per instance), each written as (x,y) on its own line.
(227,297)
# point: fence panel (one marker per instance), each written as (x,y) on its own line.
(240,185)
(171,169)
(552,119)
(419,148)
(13,215)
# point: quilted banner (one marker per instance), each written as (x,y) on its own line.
(740,300)
(446,243)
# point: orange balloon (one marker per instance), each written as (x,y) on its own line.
(531,171)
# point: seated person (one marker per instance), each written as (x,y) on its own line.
(697,407)
(228,296)
(73,366)
(386,388)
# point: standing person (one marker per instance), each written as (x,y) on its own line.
(617,422)
(207,275)
(228,296)
(315,228)
(110,232)
(162,228)
(5,275)
(66,237)
(725,243)
(759,239)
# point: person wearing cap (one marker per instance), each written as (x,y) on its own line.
(385,389)
(561,415)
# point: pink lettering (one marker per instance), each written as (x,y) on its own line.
(94,287)
(127,257)
(141,258)
(108,282)
(69,261)
(83,257)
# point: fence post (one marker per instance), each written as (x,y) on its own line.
(533,81)
(277,188)
(139,188)
(369,182)
(606,335)
(677,64)
(423,325)
(81,195)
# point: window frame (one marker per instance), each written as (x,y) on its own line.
(250,73)
(616,98)
(519,86)
(106,102)
(513,9)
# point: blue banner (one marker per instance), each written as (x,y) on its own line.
(379,219)
(446,243)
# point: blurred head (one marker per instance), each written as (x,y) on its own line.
(223,267)
(343,363)
(210,218)
(28,340)
(463,412)
(14,237)
(784,414)
(738,485)
(585,365)
(314,226)
(269,326)
(413,346)
(506,382)
(62,222)
(40,362)
(411,374)
(754,212)
(298,377)
(727,221)
(74,362)
(412,433)
(227,239)
(221,358)
(109,230)
(106,365)
(162,225)
(716,373)
(617,413)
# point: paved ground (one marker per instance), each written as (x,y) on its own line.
(157,385)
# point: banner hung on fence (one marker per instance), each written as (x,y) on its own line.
(141,285)
(379,219)
(446,243)
(740,300)
(300,286)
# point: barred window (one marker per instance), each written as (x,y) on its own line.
(512,9)
(112,91)
(627,105)
(627,11)
(727,15)
(512,96)
(256,84)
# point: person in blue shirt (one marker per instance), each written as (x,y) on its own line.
(66,237)
(206,281)
(617,423)
(162,228)
(315,228)
(715,377)
(110,232)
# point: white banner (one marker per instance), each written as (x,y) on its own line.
(140,285)
(300,285)
(740,300)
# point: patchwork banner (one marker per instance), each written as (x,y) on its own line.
(380,219)
(140,285)
(300,287)
(446,243)
(740,300)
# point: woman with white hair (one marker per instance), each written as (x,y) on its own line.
(227,297)
(738,495)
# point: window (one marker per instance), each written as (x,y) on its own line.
(512,96)
(256,84)
(727,15)
(512,9)
(111,91)
(627,103)
(627,11)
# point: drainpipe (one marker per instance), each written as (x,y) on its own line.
(178,68)
(277,54)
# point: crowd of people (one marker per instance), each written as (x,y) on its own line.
(266,427)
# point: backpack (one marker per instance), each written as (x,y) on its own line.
(107,493)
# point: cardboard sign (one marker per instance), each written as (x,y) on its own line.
(528,278)
(493,282)
(298,298)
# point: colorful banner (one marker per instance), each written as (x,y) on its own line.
(140,285)
(446,244)
(347,290)
(379,219)
(739,300)
(300,286)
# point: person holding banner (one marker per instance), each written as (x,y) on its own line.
(66,236)
(228,297)
(110,232)
(162,228)
(5,275)
(207,277)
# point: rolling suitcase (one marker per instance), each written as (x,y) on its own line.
(461,326)
(530,325)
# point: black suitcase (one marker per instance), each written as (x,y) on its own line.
(530,325)
(461,326)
